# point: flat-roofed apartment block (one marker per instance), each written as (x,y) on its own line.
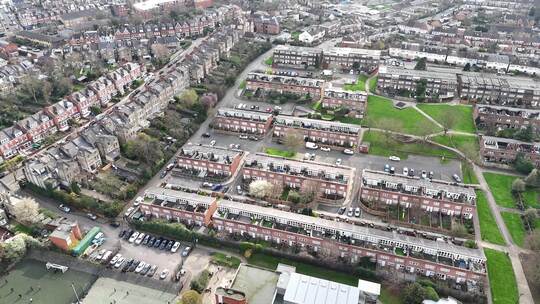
(285,84)
(207,162)
(336,97)
(504,150)
(345,58)
(500,90)
(298,57)
(332,182)
(389,249)
(329,133)
(488,116)
(241,121)
(184,207)
(440,83)
(384,189)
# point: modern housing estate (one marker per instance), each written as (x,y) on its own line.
(355,101)
(207,162)
(241,121)
(285,84)
(389,249)
(384,189)
(327,133)
(504,150)
(330,182)
(488,116)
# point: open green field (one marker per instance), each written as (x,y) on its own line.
(269,61)
(502,279)
(351,120)
(466,144)
(468,173)
(48,287)
(359,85)
(515,227)
(278,152)
(373,84)
(501,187)
(462,116)
(381,112)
(488,227)
(381,144)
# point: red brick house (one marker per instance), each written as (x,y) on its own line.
(208,161)
(241,121)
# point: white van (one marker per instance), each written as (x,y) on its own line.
(312,146)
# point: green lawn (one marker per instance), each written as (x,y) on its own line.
(532,198)
(488,227)
(351,120)
(515,227)
(462,115)
(502,279)
(501,188)
(381,144)
(373,84)
(359,85)
(295,35)
(466,144)
(468,173)
(269,61)
(225,260)
(278,152)
(381,112)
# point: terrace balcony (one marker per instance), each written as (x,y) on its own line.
(180,206)
(320,127)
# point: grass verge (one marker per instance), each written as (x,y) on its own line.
(468,173)
(461,116)
(514,224)
(501,187)
(278,152)
(502,279)
(466,144)
(382,114)
(219,258)
(373,84)
(359,85)
(488,226)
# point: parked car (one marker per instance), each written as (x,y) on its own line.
(140,238)
(128,234)
(91,216)
(186,251)
(394,158)
(128,211)
(100,254)
(341,210)
(213,142)
(338,161)
(351,212)
(134,237)
(392,170)
(119,262)
(134,265)
(387,168)
(157,243)
(163,245)
(206,135)
(253,138)
(405,171)
(239,190)
(311,145)
(424,174)
(114,224)
(138,200)
(152,271)
(145,240)
(145,269)
(357,212)
(242,136)
(122,233)
(411,172)
(430,174)
(163,174)
(456,178)
(217,187)
(234,146)
(164,273)
(175,247)
(140,267)
(207,185)
(151,241)
(115,259)
(127,265)
(106,256)
(325,149)
(348,151)
(66,209)
(169,246)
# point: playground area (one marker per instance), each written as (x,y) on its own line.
(30,282)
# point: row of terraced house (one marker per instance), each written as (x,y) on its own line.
(86,152)
(388,249)
(31,131)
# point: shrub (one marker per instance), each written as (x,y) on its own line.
(201,281)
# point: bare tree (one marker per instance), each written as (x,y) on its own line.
(160,51)
(26,211)
(293,140)
(533,240)
(309,190)
(447,121)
